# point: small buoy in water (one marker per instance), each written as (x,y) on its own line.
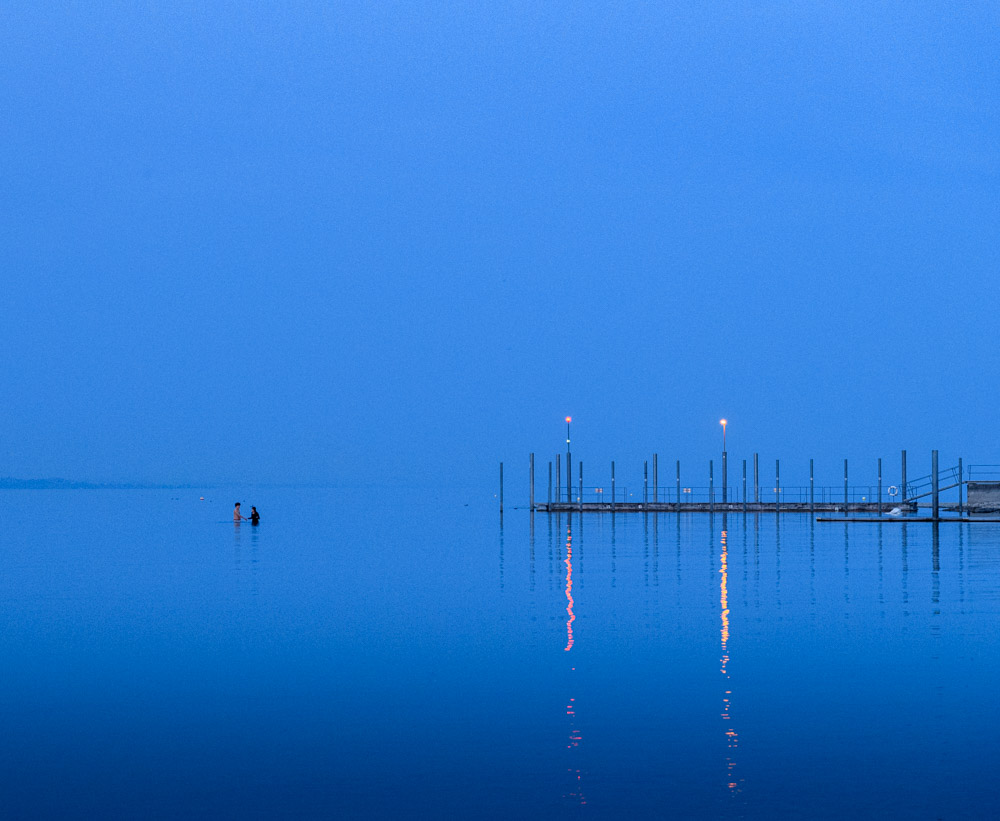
(201,498)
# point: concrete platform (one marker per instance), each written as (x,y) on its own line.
(904,519)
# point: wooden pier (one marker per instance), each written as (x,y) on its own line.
(877,501)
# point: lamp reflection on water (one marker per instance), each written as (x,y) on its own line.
(569,590)
(732,738)
(576,791)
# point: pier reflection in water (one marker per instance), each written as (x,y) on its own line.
(847,681)
(412,663)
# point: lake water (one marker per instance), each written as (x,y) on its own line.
(417,660)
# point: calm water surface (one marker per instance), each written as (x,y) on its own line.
(345,660)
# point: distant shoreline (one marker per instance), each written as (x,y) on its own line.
(56,483)
(8,483)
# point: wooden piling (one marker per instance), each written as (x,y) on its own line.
(960,472)
(531,500)
(845,488)
(878,509)
(558,479)
(744,485)
(569,474)
(934,485)
(812,488)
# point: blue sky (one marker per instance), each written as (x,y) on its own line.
(356,242)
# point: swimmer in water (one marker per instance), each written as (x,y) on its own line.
(237,516)
(254,516)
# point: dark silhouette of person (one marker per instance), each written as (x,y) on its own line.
(254,516)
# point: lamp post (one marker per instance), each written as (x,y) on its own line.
(725,471)
(569,475)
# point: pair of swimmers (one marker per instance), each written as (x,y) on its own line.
(253,518)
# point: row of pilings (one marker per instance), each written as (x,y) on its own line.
(569,497)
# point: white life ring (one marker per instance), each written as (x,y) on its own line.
(893,490)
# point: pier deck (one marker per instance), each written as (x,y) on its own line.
(720,507)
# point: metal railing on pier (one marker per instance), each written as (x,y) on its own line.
(829,495)
(883,495)
(983,473)
(924,486)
